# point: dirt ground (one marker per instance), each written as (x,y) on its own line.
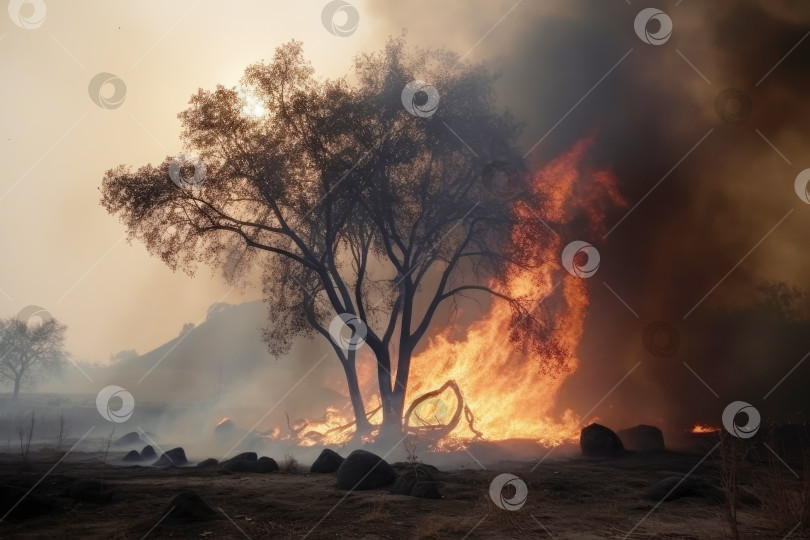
(567,498)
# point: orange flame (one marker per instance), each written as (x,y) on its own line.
(506,390)
(703,428)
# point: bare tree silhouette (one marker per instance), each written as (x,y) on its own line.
(30,352)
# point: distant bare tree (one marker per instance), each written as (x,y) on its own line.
(30,352)
(26,433)
(355,199)
(60,435)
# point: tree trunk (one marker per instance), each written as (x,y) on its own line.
(362,423)
(391,428)
(394,400)
(17,386)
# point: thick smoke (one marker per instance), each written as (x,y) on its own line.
(726,178)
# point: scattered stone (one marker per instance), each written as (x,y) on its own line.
(240,463)
(427,489)
(176,457)
(404,466)
(244,456)
(328,462)
(364,470)
(132,456)
(32,506)
(642,438)
(89,491)
(188,506)
(210,462)
(598,441)
(266,465)
(148,453)
(263,465)
(406,481)
(130,439)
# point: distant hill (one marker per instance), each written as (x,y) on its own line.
(222,361)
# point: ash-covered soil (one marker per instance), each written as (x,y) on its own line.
(567,498)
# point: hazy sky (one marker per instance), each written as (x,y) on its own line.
(61,250)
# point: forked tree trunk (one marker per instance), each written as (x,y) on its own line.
(393,400)
(362,423)
(17,386)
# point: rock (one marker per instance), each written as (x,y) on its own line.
(148,453)
(642,438)
(263,465)
(662,489)
(25,507)
(210,462)
(133,455)
(598,441)
(329,461)
(364,470)
(130,439)
(243,462)
(406,481)
(426,489)
(176,457)
(402,467)
(266,465)
(89,491)
(244,456)
(188,506)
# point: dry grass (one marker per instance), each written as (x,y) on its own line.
(290,465)
(379,511)
(437,528)
(731,462)
(785,499)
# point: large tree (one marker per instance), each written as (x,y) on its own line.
(372,197)
(30,351)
